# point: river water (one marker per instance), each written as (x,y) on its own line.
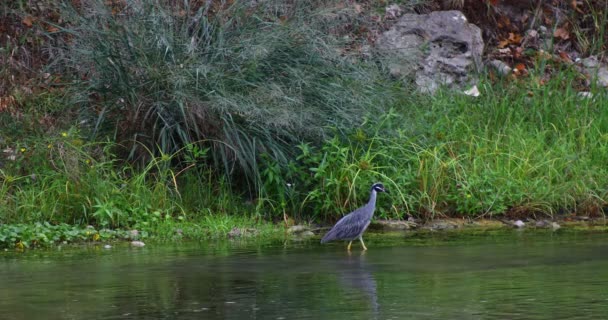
(511,275)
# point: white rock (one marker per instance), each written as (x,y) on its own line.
(107,246)
(474,92)
(137,243)
(585,94)
(519,224)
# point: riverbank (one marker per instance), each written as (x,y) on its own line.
(141,142)
(23,237)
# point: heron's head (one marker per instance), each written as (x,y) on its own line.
(379,187)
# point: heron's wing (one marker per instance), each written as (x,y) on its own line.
(350,226)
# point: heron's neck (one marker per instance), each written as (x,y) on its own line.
(372,197)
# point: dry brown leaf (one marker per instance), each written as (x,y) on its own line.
(520,67)
(565,57)
(517,53)
(503,43)
(574,5)
(52,29)
(503,22)
(6,103)
(514,38)
(28,21)
(358,8)
(561,33)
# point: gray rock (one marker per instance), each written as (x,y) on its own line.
(297,229)
(242,232)
(542,224)
(133,234)
(442,225)
(306,234)
(393,12)
(393,225)
(596,70)
(501,67)
(519,224)
(439,48)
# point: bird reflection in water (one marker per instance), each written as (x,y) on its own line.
(357,279)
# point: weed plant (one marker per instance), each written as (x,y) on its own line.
(62,179)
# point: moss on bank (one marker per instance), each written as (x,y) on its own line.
(43,235)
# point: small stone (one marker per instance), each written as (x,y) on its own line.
(555,225)
(442,225)
(585,94)
(393,12)
(107,246)
(307,234)
(473,92)
(297,229)
(519,224)
(532,33)
(393,225)
(137,243)
(234,233)
(501,67)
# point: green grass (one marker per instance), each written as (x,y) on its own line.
(520,148)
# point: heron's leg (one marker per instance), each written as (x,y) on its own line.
(348,248)
(362,243)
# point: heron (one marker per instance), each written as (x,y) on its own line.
(352,225)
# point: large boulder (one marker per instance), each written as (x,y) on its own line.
(439,48)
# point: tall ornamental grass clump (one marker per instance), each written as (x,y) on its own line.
(242,78)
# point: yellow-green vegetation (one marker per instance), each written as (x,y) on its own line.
(192,124)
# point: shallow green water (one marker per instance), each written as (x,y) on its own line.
(510,276)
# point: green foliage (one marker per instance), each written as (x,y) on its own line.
(21,236)
(520,148)
(61,179)
(253,110)
(242,80)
